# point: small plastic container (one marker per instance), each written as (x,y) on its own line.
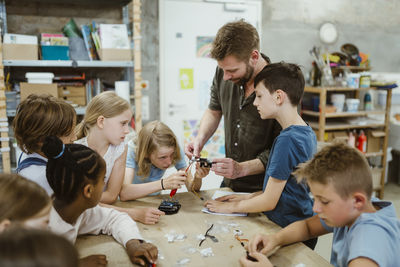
(352,104)
(338,101)
(365,80)
(353,80)
(39,77)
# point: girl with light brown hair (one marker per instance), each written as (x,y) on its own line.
(153,151)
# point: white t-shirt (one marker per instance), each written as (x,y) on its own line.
(95,221)
(112,154)
(36,173)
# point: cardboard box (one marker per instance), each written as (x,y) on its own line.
(20,52)
(338,136)
(38,88)
(78,100)
(71,91)
(73,94)
(108,54)
(375,141)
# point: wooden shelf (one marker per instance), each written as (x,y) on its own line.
(68,63)
(318,90)
(374,154)
(352,68)
(343,114)
(337,121)
(332,126)
(102,3)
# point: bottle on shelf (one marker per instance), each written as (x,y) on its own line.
(352,139)
(367,101)
(362,142)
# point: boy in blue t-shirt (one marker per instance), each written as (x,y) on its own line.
(366,232)
(279,88)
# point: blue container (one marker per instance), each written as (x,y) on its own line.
(55,52)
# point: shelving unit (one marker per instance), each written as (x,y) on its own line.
(5,147)
(131,14)
(68,63)
(323,122)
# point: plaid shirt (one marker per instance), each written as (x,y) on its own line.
(247,136)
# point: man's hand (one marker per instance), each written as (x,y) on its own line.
(147,215)
(193,149)
(141,253)
(227,168)
(220,207)
(98,260)
(262,260)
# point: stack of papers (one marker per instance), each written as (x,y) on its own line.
(11,38)
(218,194)
(114,36)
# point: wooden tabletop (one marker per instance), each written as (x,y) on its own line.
(191,222)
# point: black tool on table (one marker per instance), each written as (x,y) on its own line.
(213,238)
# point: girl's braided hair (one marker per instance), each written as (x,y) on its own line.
(70,167)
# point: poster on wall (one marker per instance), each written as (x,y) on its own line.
(215,146)
(203,46)
(186,79)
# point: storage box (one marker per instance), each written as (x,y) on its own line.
(38,88)
(20,52)
(73,94)
(55,52)
(375,141)
(338,136)
(78,100)
(39,77)
(109,54)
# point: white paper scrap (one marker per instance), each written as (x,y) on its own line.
(220,193)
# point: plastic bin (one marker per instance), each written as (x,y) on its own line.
(55,52)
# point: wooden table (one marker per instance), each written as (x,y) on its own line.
(191,222)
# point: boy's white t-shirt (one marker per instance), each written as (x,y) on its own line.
(36,173)
(112,154)
(95,221)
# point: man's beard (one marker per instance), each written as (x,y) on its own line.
(247,76)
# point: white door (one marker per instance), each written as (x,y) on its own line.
(187,28)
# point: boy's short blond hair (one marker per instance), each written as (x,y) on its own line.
(40,116)
(338,164)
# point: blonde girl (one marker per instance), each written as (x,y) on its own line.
(103,129)
(149,155)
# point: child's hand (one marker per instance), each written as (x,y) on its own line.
(93,261)
(148,215)
(262,260)
(220,207)
(201,172)
(175,180)
(141,253)
(262,243)
(234,197)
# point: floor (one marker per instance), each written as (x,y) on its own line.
(392,193)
